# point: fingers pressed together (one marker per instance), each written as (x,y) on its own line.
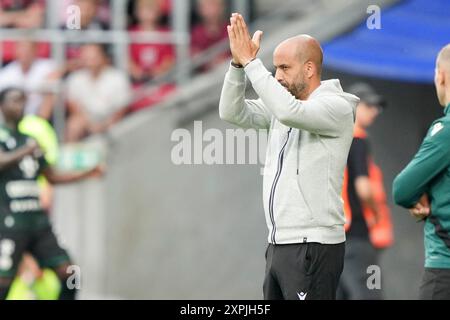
(237,28)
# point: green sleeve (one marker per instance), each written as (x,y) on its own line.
(431,159)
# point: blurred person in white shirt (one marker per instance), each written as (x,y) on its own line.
(97,95)
(32,74)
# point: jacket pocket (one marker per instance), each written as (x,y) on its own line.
(308,215)
(314,189)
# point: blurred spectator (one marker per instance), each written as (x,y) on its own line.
(94,14)
(166,11)
(24,14)
(165,7)
(97,95)
(368,220)
(148,60)
(211,29)
(103,13)
(32,74)
(90,20)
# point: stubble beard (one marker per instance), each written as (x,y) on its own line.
(298,89)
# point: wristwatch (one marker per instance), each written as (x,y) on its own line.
(236,65)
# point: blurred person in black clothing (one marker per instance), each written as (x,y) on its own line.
(368,222)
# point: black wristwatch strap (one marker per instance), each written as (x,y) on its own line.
(236,65)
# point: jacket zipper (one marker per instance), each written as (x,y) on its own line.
(274,185)
(298,150)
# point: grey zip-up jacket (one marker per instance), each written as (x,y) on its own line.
(306,155)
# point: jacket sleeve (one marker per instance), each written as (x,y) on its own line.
(413,181)
(322,115)
(233,106)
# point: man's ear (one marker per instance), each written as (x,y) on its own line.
(445,78)
(310,69)
(441,77)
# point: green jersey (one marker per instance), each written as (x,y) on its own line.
(20,206)
(429,172)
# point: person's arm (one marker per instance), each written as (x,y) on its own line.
(164,67)
(136,72)
(430,161)
(9,158)
(364,191)
(365,194)
(108,123)
(31,17)
(75,110)
(421,209)
(47,106)
(58,178)
(73,96)
(323,115)
(233,106)
(48,90)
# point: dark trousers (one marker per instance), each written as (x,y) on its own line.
(359,255)
(304,271)
(435,284)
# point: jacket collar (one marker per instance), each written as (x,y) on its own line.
(333,85)
(447,110)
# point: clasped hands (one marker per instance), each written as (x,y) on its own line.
(243,48)
(421,209)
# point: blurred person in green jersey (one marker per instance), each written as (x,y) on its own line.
(32,283)
(24,224)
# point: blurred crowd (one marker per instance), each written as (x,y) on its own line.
(96,93)
(93,92)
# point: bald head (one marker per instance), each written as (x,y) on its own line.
(306,48)
(442,76)
(443,59)
(298,64)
